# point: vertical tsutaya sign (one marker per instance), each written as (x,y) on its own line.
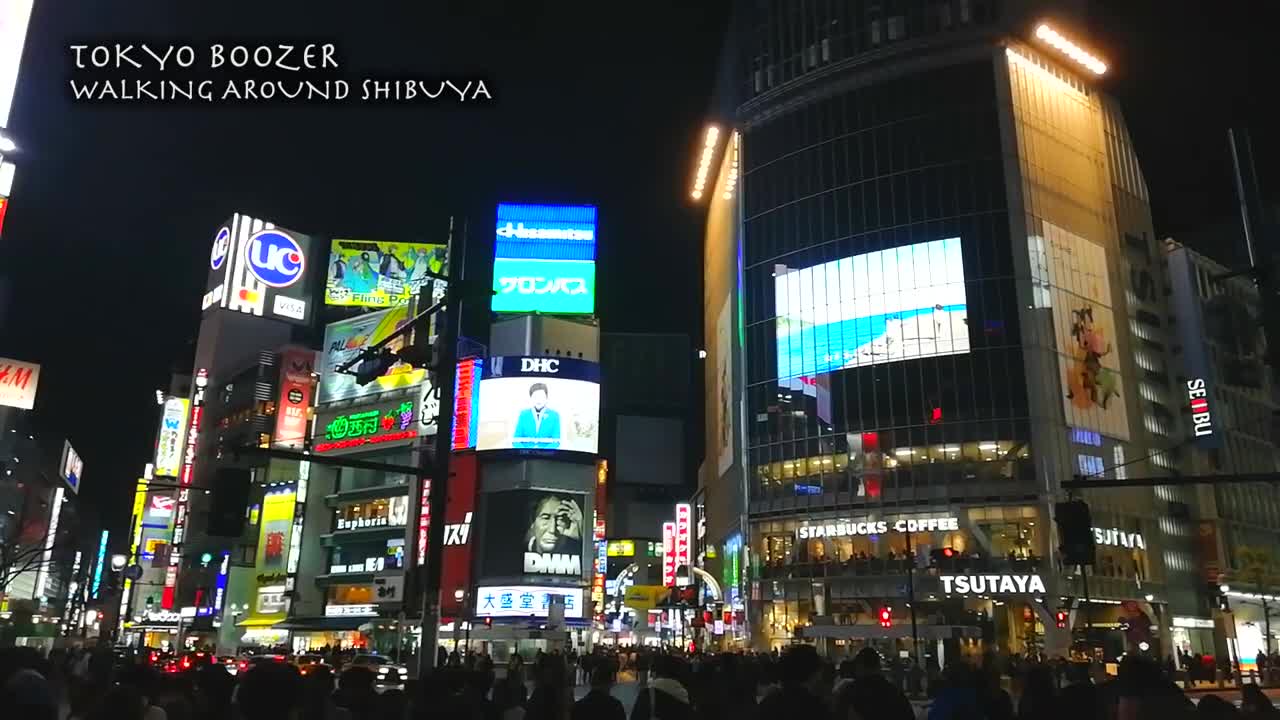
(18,382)
(683,546)
(259,269)
(668,554)
(170,441)
(294,401)
(545,259)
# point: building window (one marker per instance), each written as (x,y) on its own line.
(897,27)
(874,29)
(826,50)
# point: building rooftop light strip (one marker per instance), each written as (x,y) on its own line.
(1070,49)
(732,182)
(704,160)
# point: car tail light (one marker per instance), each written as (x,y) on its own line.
(242,664)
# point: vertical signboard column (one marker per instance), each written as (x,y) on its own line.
(683,537)
(668,554)
(601,564)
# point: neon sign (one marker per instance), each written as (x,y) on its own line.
(370,427)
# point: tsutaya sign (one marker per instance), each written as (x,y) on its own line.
(992,584)
(1116,537)
(849,528)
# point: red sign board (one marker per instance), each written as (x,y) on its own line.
(296,368)
(459,509)
(668,554)
(4,205)
(464,403)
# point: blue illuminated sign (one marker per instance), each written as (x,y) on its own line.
(97,569)
(544,259)
(275,258)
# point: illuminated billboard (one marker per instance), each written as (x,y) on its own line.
(72,467)
(260,269)
(466,397)
(395,422)
(544,259)
(364,273)
(293,403)
(877,307)
(275,527)
(525,601)
(539,403)
(171,440)
(346,339)
(1085,326)
(14,15)
(18,382)
(535,532)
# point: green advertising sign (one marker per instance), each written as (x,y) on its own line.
(554,287)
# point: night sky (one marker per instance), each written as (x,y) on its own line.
(108,234)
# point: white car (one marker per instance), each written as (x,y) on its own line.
(386,673)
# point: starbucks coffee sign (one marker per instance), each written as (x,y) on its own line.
(992,584)
(851,528)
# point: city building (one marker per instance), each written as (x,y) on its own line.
(917,325)
(1229,400)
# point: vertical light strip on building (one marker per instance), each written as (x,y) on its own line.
(42,578)
(97,567)
(602,560)
(424,520)
(299,517)
(188,464)
(220,590)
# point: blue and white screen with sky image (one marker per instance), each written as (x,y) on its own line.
(877,307)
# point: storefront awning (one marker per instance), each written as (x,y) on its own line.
(259,621)
(322,624)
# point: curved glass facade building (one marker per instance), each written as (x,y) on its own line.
(924,221)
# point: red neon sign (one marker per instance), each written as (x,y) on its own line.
(357,442)
(668,554)
(463,402)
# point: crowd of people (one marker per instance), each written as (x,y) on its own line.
(97,683)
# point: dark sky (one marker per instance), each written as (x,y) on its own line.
(114,207)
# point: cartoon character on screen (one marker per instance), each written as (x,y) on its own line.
(360,275)
(537,426)
(1088,383)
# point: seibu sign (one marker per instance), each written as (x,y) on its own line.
(992,584)
(849,528)
(1198,395)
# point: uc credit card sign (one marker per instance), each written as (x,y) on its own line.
(555,287)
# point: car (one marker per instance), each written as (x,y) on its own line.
(255,660)
(195,660)
(307,662)
(387,674)
(232,663)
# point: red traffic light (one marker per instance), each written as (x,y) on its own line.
(948,552)
(886,617)
(1061,617)
(488,622)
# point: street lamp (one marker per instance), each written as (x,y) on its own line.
(1150,597)
(118,562)
(7,145)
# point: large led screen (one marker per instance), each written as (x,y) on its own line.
(877,307)
(364,273)
(544,259)
(534,532)
(538,403)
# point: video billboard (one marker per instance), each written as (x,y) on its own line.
(877,307)
(544,259)
(72,467)
(534,532)
(260,269)
(365,273)
(1085,327)
(539,403)
(293,403)
(171,441)
(18,383)
(346,339)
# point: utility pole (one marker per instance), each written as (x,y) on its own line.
(911,600)
(436,464)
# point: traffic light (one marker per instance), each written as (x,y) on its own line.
(1061,618)
(488,622)
(943,558)
(886,617)
(372,368)
(1075,532)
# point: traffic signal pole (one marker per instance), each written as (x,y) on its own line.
(911,600)
(436,464)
